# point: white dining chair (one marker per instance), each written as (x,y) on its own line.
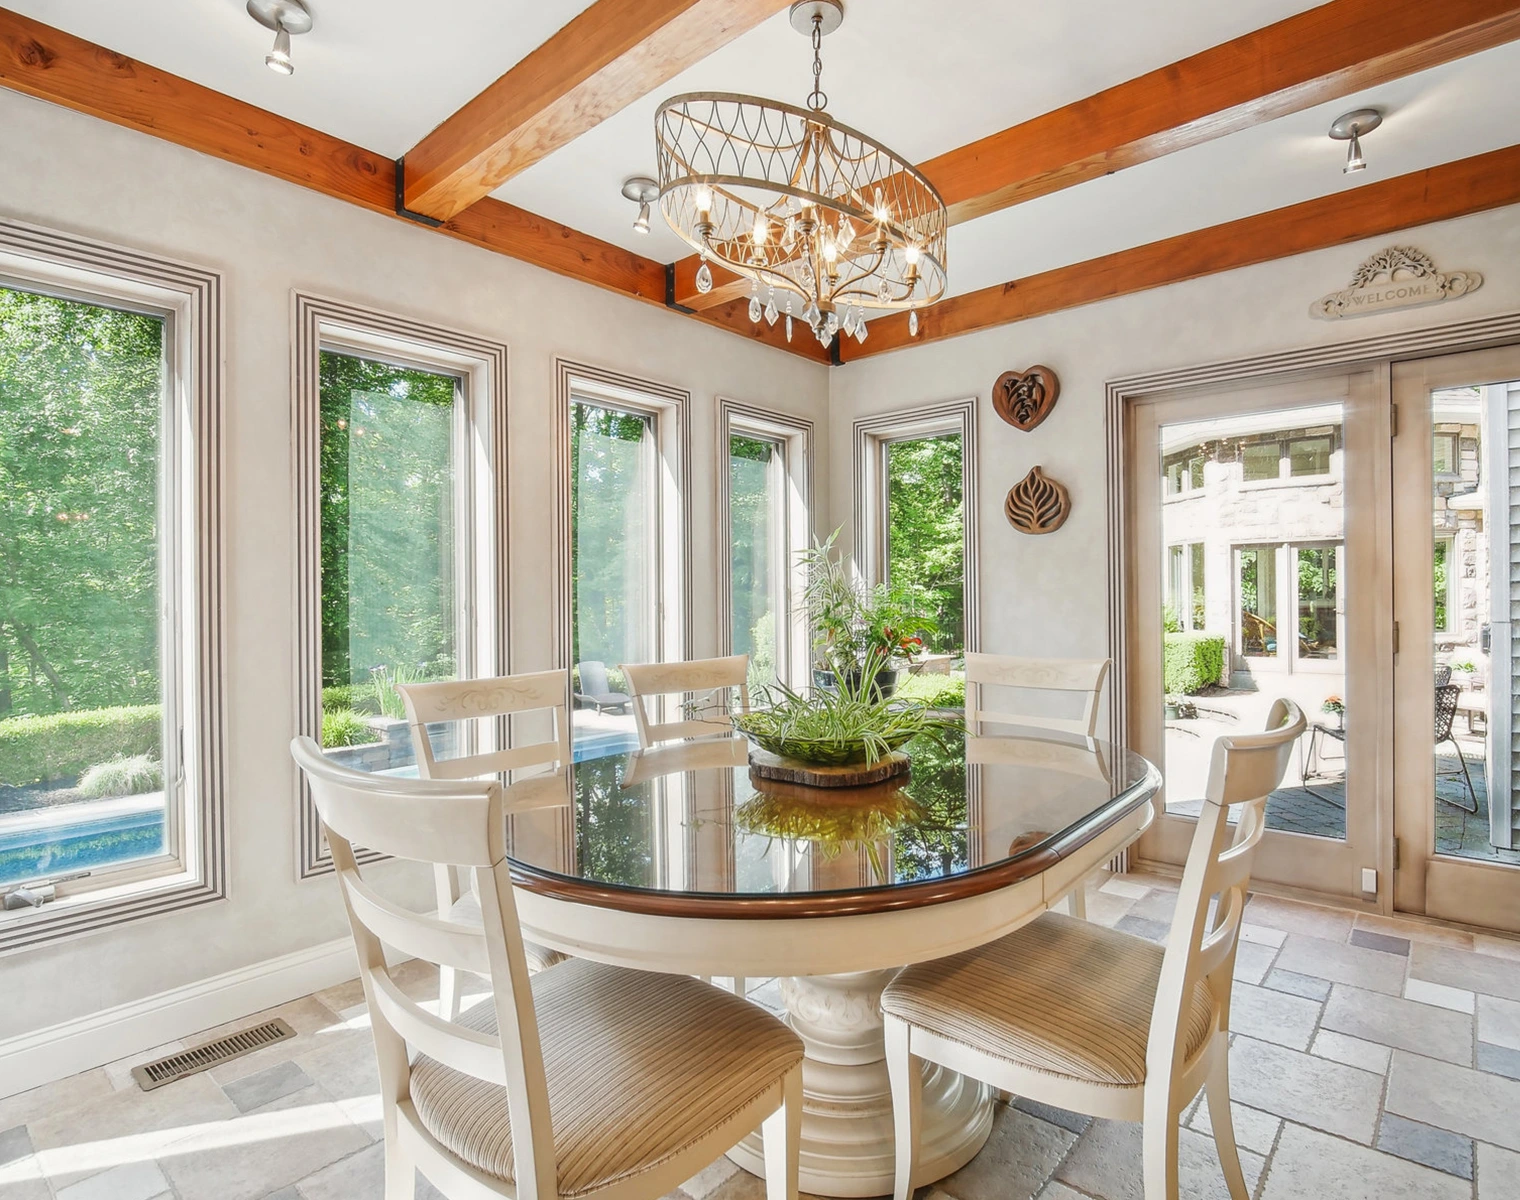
(1081,677)
(587,1081)
(1099,1021)
(539,772)
(704,686)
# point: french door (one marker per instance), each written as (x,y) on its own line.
(1257,570)
(1456,504)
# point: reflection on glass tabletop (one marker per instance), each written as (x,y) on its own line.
(687,828)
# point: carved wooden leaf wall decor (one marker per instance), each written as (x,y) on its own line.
(1025,398)
(1037,504)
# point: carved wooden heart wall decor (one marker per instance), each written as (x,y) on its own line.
(1037,504)
(1025,398)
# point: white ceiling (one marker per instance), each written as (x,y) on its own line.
(922,77)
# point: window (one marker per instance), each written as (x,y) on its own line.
(110,675)
(1184,472)
(400,431)
(1185,597)
(1256,571)
(1446,451)
(1291,454)
(1445,580)
(1318,583)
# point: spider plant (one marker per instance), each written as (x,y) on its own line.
(852,723)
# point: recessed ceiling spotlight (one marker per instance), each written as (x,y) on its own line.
(285,17)
(1349,128)
(643,191)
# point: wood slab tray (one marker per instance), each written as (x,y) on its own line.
(790,770)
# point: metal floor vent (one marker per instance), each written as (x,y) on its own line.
(213,1054)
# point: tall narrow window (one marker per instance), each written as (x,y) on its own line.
(390,486)
(1318,586)
(757,537)
(926,529)
(614,561)
(1257,583)
(86,659)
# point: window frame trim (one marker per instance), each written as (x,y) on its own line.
(189,300)
(320,323)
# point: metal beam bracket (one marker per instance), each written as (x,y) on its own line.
(401,209)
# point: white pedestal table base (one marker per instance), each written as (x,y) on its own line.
(847,1133)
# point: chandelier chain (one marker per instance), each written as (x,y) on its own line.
(818,99)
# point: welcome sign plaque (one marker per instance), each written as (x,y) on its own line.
(1398,277)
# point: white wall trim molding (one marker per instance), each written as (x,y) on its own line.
(317,322)
(870,434)
(796,435)
(56,1051)
(1499,330)
(190,299)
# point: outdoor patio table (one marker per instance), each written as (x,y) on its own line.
(675,860)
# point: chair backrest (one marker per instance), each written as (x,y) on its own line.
(445,823)
(1243,772)
(1448,695)
(593,677)
(1443,674)
(1081,676)
(704,676)
(506,695)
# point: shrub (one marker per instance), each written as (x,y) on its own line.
(344,727)
(1192,661)
(124,775)
(33,749)
(357,697)
(937,691)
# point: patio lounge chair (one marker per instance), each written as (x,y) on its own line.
(1447,697)
(595,691)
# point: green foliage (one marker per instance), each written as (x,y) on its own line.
(852,622)
(926,526)
(344,727)
(1170,621)
(81,400)
(383,686)
(387,518)
(755,533)
(936,691)
(122,776)
(358,697)
(851,723)
(1191,662)
(60,745)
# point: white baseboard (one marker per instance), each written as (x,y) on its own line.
(32,1059)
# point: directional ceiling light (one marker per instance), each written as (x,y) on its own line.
(1349,128)
(285,17)
(643,191)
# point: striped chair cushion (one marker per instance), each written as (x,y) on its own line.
(639,1066)
(1061,996)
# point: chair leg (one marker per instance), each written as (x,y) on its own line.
(906,1073)
(1076,901)
(1217,1088)
(1159,1147)
(448,993)
(1462,758)
(741,986)
(400,1173)
(781,1135)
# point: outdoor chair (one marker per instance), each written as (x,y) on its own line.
(595,691)
(1099,1021)
(585,1081)
(1447,697)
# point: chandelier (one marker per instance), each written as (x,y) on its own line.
(810,211)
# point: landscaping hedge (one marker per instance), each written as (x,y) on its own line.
(1192,661)
(938,691)
(69,743)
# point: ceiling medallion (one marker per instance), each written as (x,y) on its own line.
(793,201)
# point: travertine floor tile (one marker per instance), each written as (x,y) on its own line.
(1313,1091)
(1307,986)
(130,1181)
(1354,1052)
(1254,1130)
(1310,1165)
(55,1098)
(1415,931)
(1253,961)
(1107,1162)
(1499,1022)
(1470,971)
(1018,1158)
(1273,1016)
(1440,996)
(1498,1173)
(1294,916)
(1479,1105)
(1436,1148)
(1392,1021)
(1360,967)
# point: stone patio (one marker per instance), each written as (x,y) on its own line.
(1373,1059)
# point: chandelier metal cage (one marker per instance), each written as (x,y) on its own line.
(800,205)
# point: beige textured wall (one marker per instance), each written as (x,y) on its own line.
(71,172)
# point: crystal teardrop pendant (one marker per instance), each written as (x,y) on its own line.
(846,235)
(882,292)
(811,315)
(789,234)
(755,312)
(913,323)
(788,324)
(860,329)
(770,308)
(849,321)
(824,336)
(704,278)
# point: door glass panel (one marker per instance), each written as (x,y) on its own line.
(1474,765)
(613,554)
(1255,604)
(926,533)
(755,533)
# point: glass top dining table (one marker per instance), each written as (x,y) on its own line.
(678,859)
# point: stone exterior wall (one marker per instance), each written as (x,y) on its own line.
(1468,565)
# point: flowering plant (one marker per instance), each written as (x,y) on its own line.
(1333,704)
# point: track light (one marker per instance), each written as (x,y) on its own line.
(285,17)
(643,192)
(1349,128)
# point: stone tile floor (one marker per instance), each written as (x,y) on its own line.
(1373,1059)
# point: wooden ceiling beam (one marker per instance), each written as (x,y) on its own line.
(1310,58)
(608,56)
(58,67)
(1455,189)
